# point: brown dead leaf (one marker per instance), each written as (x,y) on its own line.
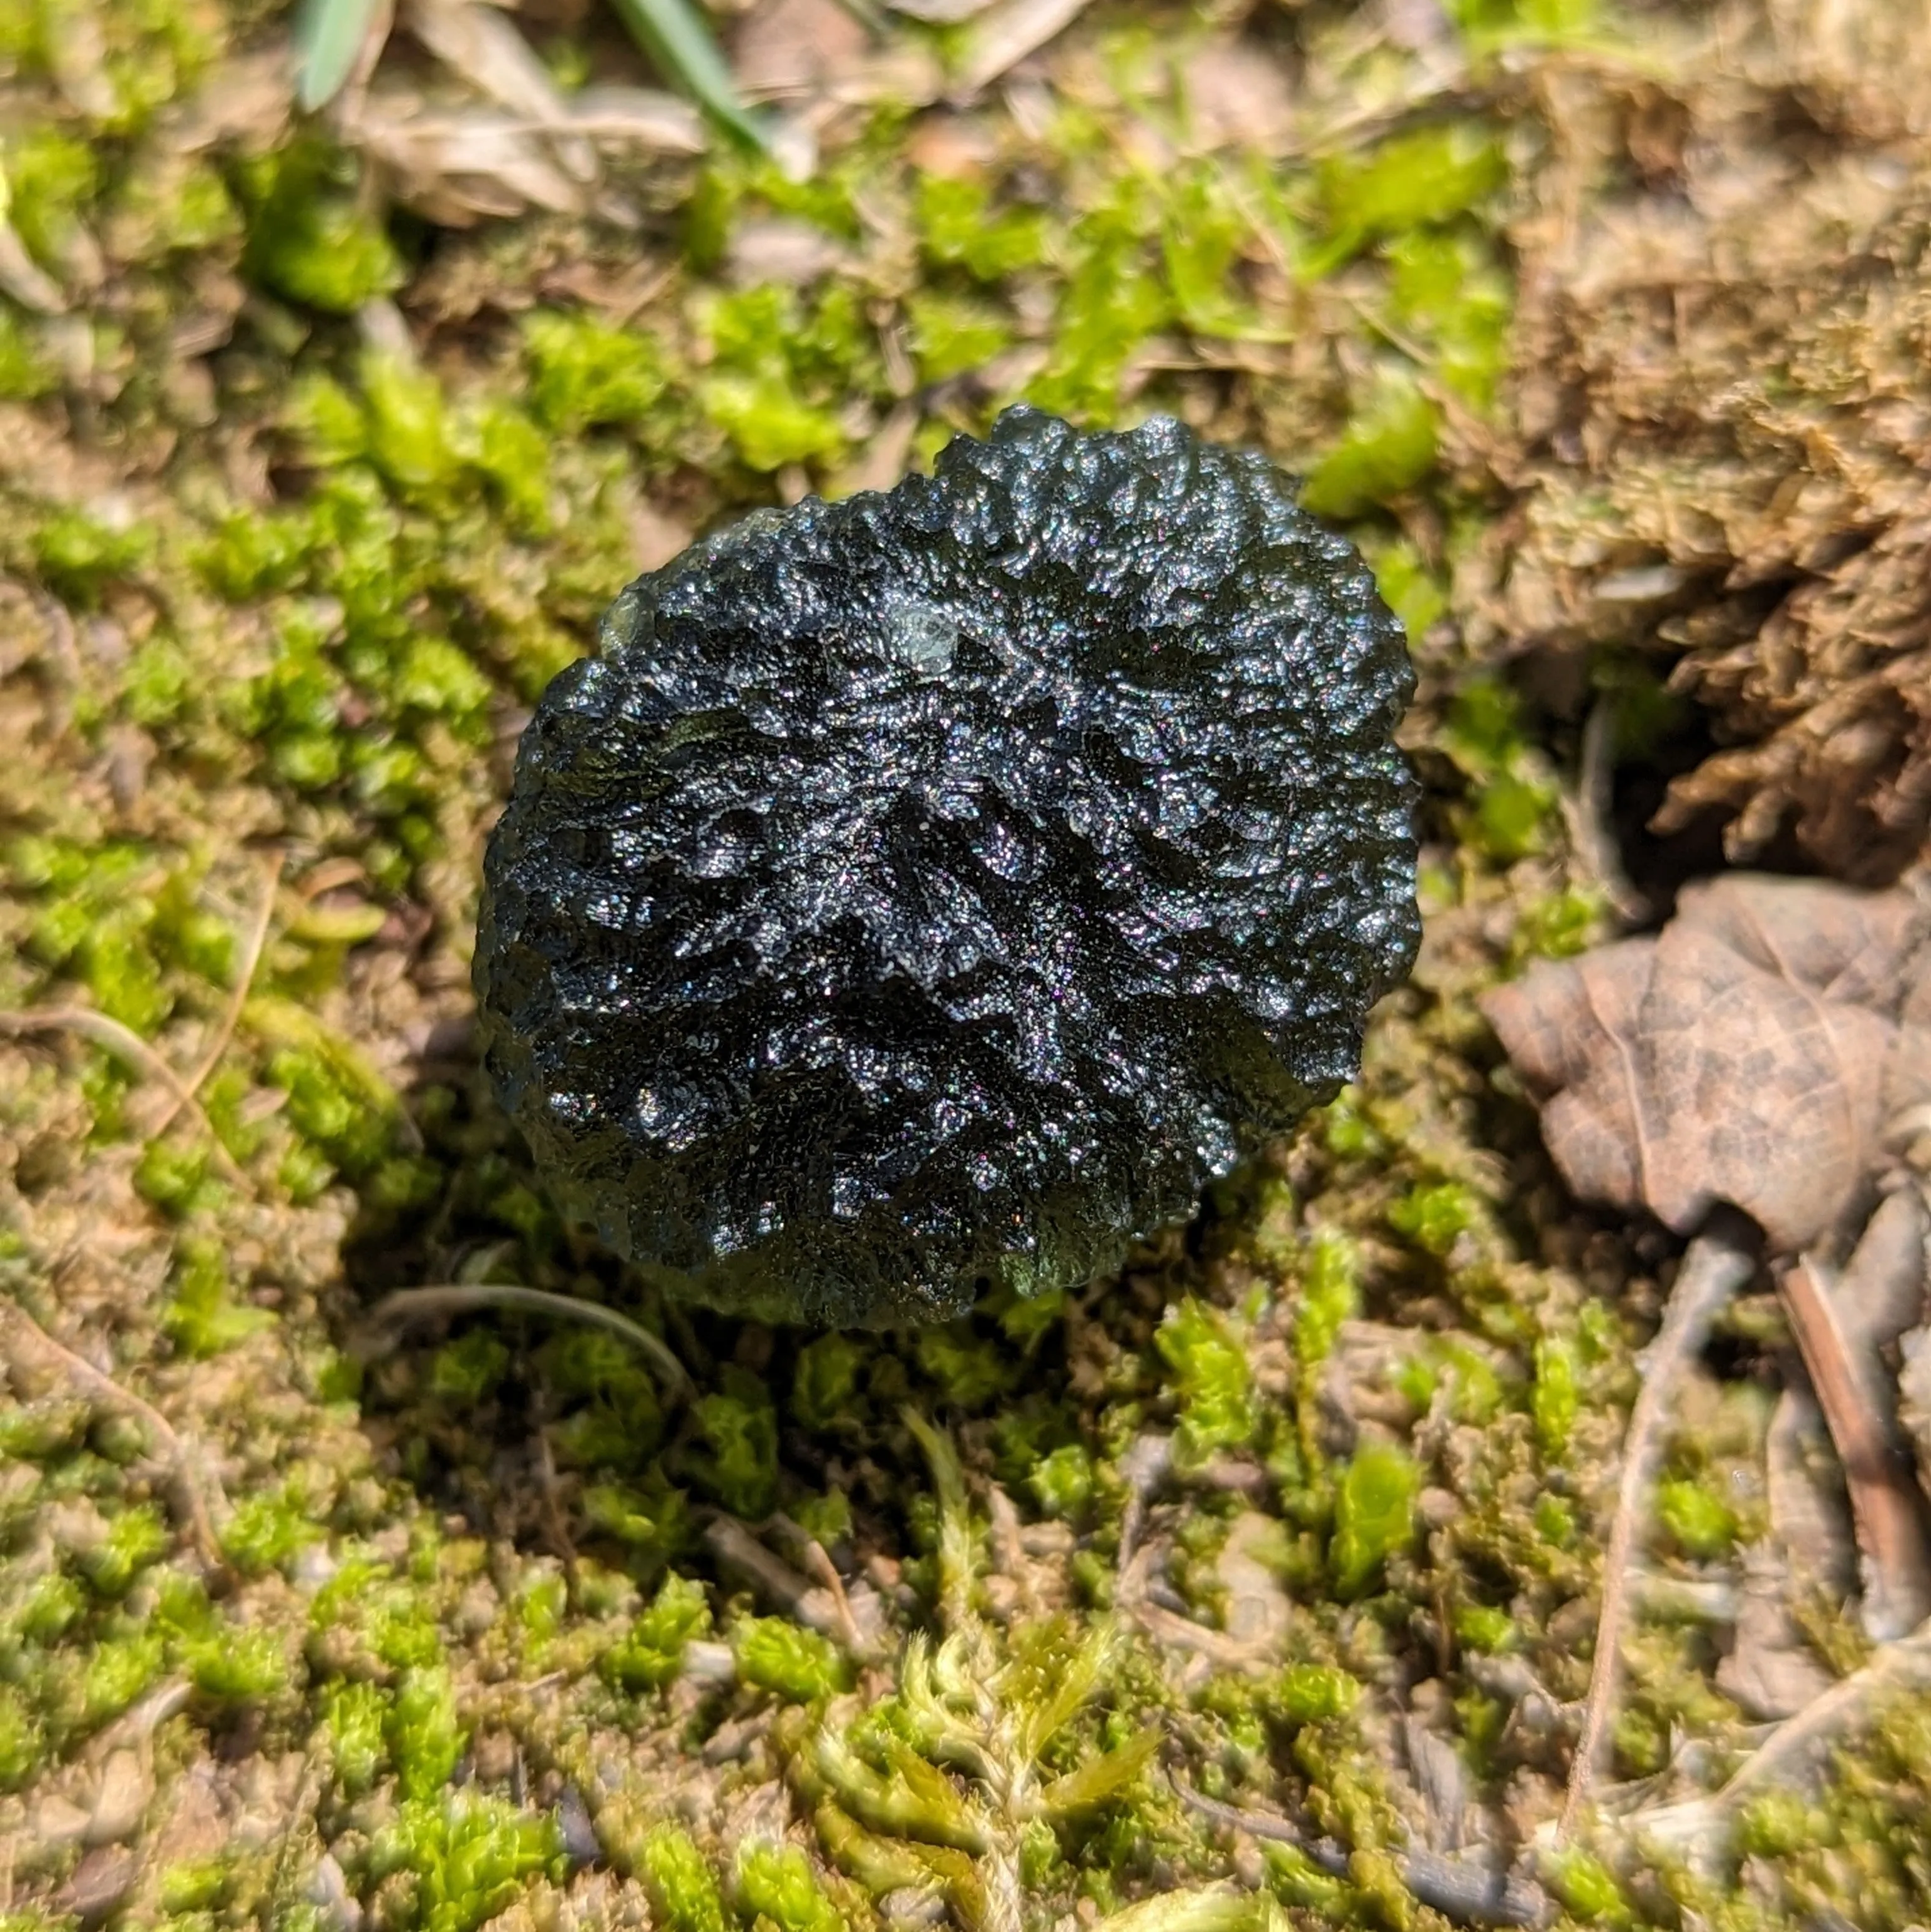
(1237,94)
(460,165)
(1752,1053)
(789,47)
(480,45)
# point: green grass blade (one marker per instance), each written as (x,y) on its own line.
(676,37)
(329,36)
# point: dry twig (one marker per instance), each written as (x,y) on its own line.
(132,1050)
(1704,1821)
(245,969)
(1885,1500)
(1458,1889)
(412,1304)
(26,1337)
(1718,1263)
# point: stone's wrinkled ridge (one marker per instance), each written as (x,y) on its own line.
(937,888)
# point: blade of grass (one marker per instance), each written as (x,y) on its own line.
(456,1298)
(676,38)
(329,35)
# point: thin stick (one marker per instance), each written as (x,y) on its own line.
(1718,1263)
(818,1560)
(1704,1822)
(1886,1503)
(1456,1887)
(130,1050)
(410,1304)
(238,996)
(1906,1661)
(188,1477)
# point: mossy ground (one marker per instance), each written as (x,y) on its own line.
(303,498)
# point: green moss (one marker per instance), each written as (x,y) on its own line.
(78,554)
(1294,1880)
(1554,1396)
(21,1743)
(236,1666)
(1449,291)
(136,1537)
(268,1529)
(309,235)
(1374,1516)
(466,1370)
(1434,1217)
(1387,448)
(357,1717)
(1588,1889)
(620,1424)
(1410,588)
(739,1428)
(1109,303)
(967,1368)
(1555,1521)
(336,1099)
(1558,925)
(1484,1628)
(960,227)
(26,373)
(53,177)
(1062,1482)
(1700,1523)
(426,1736)
(652,1653)
(827,1518)
(385,1615)
(1310,1693)
(1491,25)
(1774,1823)
(776,1655)
(1408,181)
(771,425)
(778,1885)
(194,1885)
(951,334)
(824,1381)
(584,373)
(1514,803)
(650,1517)
(202,1316)
(1330,1295)
(116,1672)
(469,1854)
(1209,1377)
(682,1889)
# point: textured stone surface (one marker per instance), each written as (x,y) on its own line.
(938,888)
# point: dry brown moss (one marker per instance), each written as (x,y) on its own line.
(1724,415)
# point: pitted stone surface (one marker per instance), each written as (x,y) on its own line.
(938,888)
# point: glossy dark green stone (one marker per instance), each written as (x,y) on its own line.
(937,889)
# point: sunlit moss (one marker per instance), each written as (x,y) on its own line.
(1210,1380)
(775,1654)
(1374,1515)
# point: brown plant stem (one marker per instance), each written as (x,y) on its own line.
(26,1337)
(458,1297)
(128,1047)
(245,969)
(1718,1262)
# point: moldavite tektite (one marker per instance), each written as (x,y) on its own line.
(936,888)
